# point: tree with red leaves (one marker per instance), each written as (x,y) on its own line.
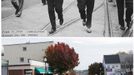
(61,57)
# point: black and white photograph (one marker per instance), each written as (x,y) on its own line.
(67,18)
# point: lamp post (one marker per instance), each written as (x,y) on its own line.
(100,71)
(45,61)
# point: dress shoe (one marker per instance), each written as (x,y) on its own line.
(88,30)
(122,28)
(18,14)
(52,31)
(128,25)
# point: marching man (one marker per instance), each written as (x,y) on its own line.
(18,5)
(55,6)
(86,9)
(121,4)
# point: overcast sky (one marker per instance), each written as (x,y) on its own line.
(90,50)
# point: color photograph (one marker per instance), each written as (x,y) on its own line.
(67,56)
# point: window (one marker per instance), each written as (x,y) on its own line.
(108,66)
(24,48)
(28,72)
(2,54)
(116,65)
(21,59)
(113,66)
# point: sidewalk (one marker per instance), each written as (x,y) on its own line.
(117,32)
(33,18)
(77,29)
(36,18)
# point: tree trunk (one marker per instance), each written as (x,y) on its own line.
(60,74)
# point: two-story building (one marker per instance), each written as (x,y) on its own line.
(112,65)
(119,64)
(19,55)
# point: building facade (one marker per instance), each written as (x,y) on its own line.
(119,64)
(112,65)
(19,56)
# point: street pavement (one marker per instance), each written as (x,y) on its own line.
(116,31)
(115,27)
(36,18)
(77,29)
(8,10)
(33,18)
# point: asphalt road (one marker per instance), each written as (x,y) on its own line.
(8,10)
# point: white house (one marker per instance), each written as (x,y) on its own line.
(120,64)
(19,55)
(112,65)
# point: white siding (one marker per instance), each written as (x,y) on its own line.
(115,68)
(34,51)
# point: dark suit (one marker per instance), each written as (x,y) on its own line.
(129,11)
(55,5)
(18,6)
(86,14)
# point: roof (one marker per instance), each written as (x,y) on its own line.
(29,43)
(111,59)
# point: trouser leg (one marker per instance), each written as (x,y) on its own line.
(15,5)
(90,7)
(59,9)
(21,2)
(43,1)
(129,12)
(51,13)
(120,6)
(81,6)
